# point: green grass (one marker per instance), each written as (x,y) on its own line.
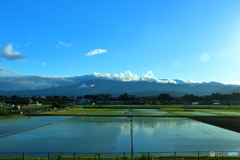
(93,111)
(195,112)
(175,109)
(150,112)
(10,116)
(112,112)
(190,114)
(170,111)
(165,106)
(227,112)
(74,111)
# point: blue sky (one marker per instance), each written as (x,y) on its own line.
(189,39)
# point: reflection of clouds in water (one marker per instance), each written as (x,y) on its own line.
(150,125)
(125,128)
(148,129)
(176,64)
(137,127)
(205,57)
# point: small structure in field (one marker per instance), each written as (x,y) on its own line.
(38,104)
(195,103)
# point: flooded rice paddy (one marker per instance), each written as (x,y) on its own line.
(113,134)
(14,125)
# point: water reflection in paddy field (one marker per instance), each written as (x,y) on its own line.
(13,125)
(181,134)
(112,134)
(79,134)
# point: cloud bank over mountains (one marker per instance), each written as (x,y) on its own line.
(149,77)
(11,80)
(4,71)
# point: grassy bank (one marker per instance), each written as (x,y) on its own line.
(10,116)
(175,109)
(78,111)
(163,106)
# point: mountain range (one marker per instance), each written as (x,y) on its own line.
(137,88)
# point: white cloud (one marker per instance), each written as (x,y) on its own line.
(8,53)
(236,82)
(126,76)
(44,64)
(11,80)
(27,43)
(86,86)
(65,44)
(149,74)
(96,51)
(23,82)
(129,76)
(5,71)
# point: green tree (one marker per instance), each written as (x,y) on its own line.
(124,97)
(165,97)
(56,104)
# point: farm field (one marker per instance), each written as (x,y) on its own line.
(158,112)
(78,111)
(112,112)
(114,135)
(79,134)
(18,124)
(10,117)
(167,106)
(179,134)
(150,112)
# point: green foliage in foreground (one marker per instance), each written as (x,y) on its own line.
(142,157)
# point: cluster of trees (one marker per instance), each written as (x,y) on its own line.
(127,99)
(207,99)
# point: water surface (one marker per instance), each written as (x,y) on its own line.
(112,134)
(13,125)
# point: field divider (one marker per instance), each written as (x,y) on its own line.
(35,128)
(95,111)
(131,130)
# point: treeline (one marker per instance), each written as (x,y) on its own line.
(207,99)
(125,98)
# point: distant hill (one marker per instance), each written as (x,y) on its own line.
(138,88)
